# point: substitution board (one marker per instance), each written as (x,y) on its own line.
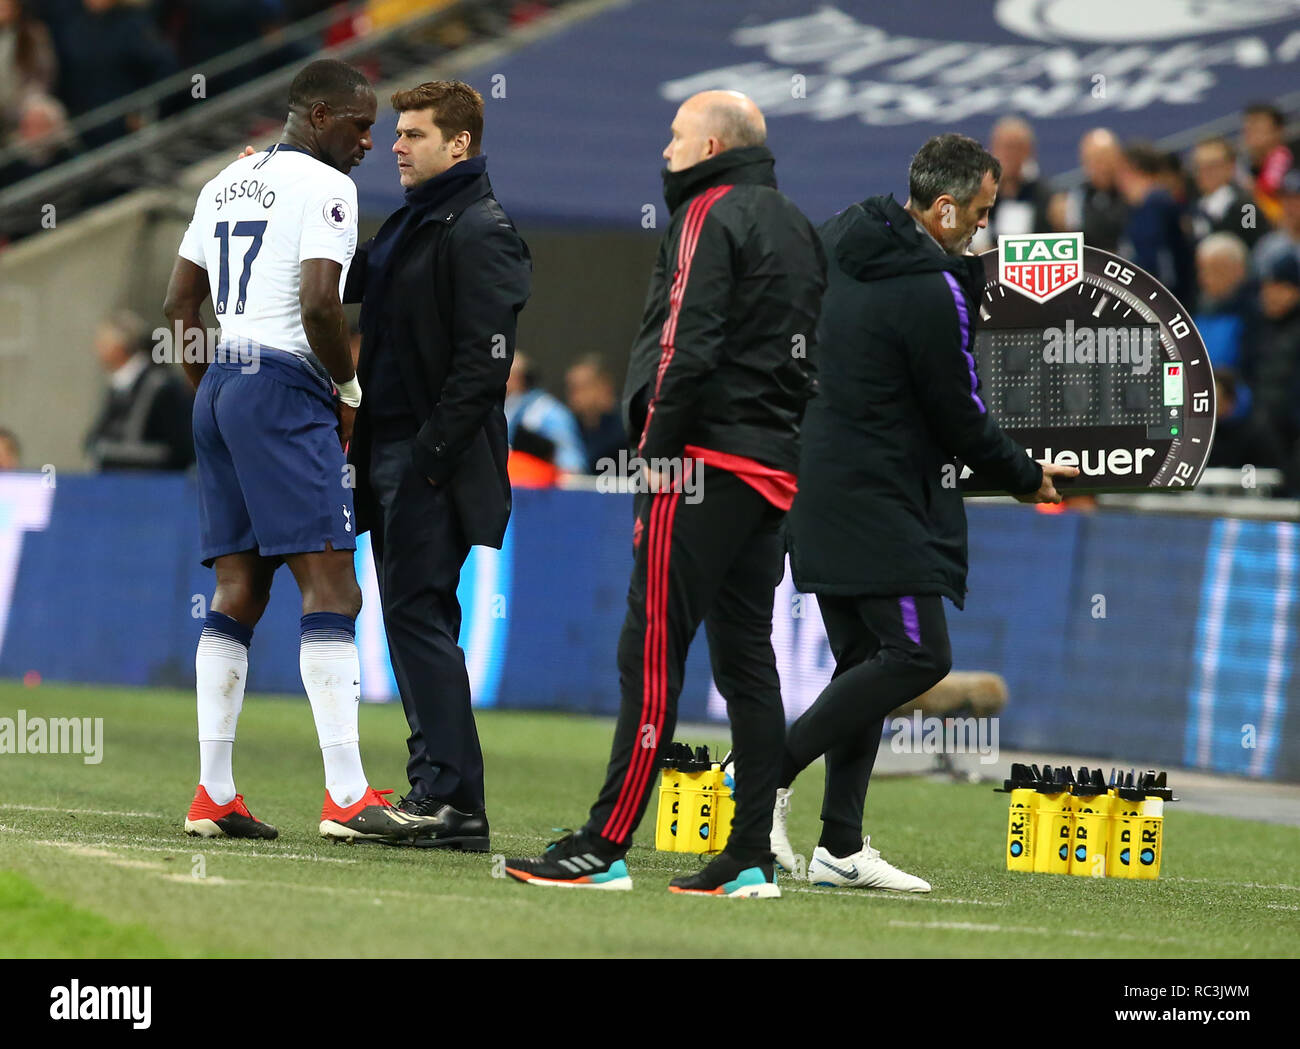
(1088,361)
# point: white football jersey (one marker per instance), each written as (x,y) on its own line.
(253,225)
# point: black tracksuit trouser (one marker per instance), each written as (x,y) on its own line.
(717,560)
(888,650)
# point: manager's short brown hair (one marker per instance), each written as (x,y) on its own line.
(456,107)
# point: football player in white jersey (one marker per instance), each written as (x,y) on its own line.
(271,240)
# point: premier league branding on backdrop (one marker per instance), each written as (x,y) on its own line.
(1089,361)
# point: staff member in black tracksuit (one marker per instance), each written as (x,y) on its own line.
(878,530)
(442,284)
(718,377)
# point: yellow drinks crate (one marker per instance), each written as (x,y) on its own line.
(1093,805)
(695,804)
(1059,825)
(1020,819)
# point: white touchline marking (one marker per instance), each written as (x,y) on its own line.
(1036,930)
(1236,884)
(79,812)
(190,847)
(338,890)
(207,879)
(80,850)
(1283,906)
(103,854)
(144,865)
(889,895)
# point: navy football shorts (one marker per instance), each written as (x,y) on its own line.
(272,474)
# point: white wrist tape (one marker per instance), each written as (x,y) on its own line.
(350,393)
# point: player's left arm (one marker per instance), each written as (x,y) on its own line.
(491,280)
(186,290)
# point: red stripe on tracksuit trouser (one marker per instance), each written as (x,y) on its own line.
(654,689)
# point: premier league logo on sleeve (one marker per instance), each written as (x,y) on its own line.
(336,213)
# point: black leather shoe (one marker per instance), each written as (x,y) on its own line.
(426,805)
(454,829)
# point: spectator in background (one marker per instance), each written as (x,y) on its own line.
(1267,157)
(1023,198)
(1226,312)
(1240,439)
(1285,240)
(1273,365)
(11,452)
(589,390)
(145,422)
(1222,204)
(1153,235)
(27,63)
(1172,177)
(108,49)
(1096,207)
(209,28)
(43,139)
(531,411)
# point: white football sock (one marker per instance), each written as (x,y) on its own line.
(331,674)
(220,670)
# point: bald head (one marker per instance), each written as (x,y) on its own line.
(1099,156)
(710,123)
(1012,142)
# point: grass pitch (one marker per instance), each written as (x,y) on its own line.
(93,861)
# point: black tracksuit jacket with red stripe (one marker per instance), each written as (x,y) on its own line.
(724,357)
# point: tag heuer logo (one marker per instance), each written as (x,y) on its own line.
(1040,265)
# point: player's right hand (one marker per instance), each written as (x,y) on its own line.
(347,417)
(248,152)
(1047,492)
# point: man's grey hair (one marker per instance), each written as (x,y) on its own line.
(952,164)
(1224,245)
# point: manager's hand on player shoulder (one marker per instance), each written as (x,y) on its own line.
(1047,492)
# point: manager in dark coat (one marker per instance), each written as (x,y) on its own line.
(878,529)
(441,285)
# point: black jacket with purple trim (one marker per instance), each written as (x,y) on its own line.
(724,356)
(879,512)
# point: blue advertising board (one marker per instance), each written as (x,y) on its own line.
(1133,635)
